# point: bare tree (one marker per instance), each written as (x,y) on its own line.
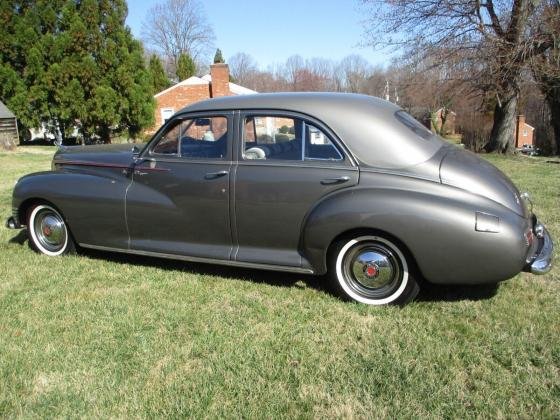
(546,67)
(352,74)
(353,70)
(242,68)
(292,70)
(489,36)
(177,27)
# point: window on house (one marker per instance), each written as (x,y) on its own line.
(166,113)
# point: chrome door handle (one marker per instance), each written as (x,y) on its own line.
(139,172)
(332,181)
(214,175)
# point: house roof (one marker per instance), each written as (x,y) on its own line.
(5,112)
(205,80)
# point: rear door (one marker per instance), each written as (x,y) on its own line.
(286,164)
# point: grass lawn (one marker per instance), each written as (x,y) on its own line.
(102,335)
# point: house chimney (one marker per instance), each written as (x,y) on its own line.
(519,130)
(219,73)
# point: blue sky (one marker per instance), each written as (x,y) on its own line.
(271,31)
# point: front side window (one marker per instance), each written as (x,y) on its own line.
(286,138)
(195,138)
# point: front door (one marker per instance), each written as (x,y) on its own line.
(287,164)
(178,202)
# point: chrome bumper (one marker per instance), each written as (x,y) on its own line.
(12,223)
(542,261)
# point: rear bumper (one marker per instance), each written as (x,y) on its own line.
(541,261)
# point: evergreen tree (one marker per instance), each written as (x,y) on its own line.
(185,67)
(159,79)
(218,57)
(72,63)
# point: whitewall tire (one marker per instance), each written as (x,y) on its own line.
(48,232)
(372,270)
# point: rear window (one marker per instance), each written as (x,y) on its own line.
(412,124)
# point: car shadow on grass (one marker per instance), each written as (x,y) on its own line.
(453,293)
(428,292)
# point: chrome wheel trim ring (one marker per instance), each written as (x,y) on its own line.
(48,230)
(398,259)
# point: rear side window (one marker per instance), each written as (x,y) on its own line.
(413,125)
(267,137)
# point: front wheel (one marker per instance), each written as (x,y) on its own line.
(372,270)
(48,232)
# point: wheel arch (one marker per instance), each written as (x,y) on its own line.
(369,231)
(27,204)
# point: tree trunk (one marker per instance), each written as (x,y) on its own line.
(105,134)
(502,135)
(554,105)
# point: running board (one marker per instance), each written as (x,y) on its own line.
(231,263)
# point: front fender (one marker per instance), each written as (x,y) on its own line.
(92,203)
(435,222)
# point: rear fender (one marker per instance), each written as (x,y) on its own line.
(437,226)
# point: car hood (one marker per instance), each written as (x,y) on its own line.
(465,170)
(102,154)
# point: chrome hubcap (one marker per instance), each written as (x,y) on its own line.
(372,269)
(50,230)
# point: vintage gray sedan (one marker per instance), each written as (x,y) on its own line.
(343,184)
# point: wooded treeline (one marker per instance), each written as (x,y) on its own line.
(75,64)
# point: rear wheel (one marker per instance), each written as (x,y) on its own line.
(48,232)
(372,270)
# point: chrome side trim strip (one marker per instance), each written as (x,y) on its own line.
(202,260)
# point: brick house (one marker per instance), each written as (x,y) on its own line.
(196,89)
(523,132)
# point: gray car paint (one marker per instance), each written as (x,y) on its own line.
(186,201)
(279,216)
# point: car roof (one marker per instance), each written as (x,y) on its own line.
(367,125)
(307,102)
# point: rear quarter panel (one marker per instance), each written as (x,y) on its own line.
(435,222)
